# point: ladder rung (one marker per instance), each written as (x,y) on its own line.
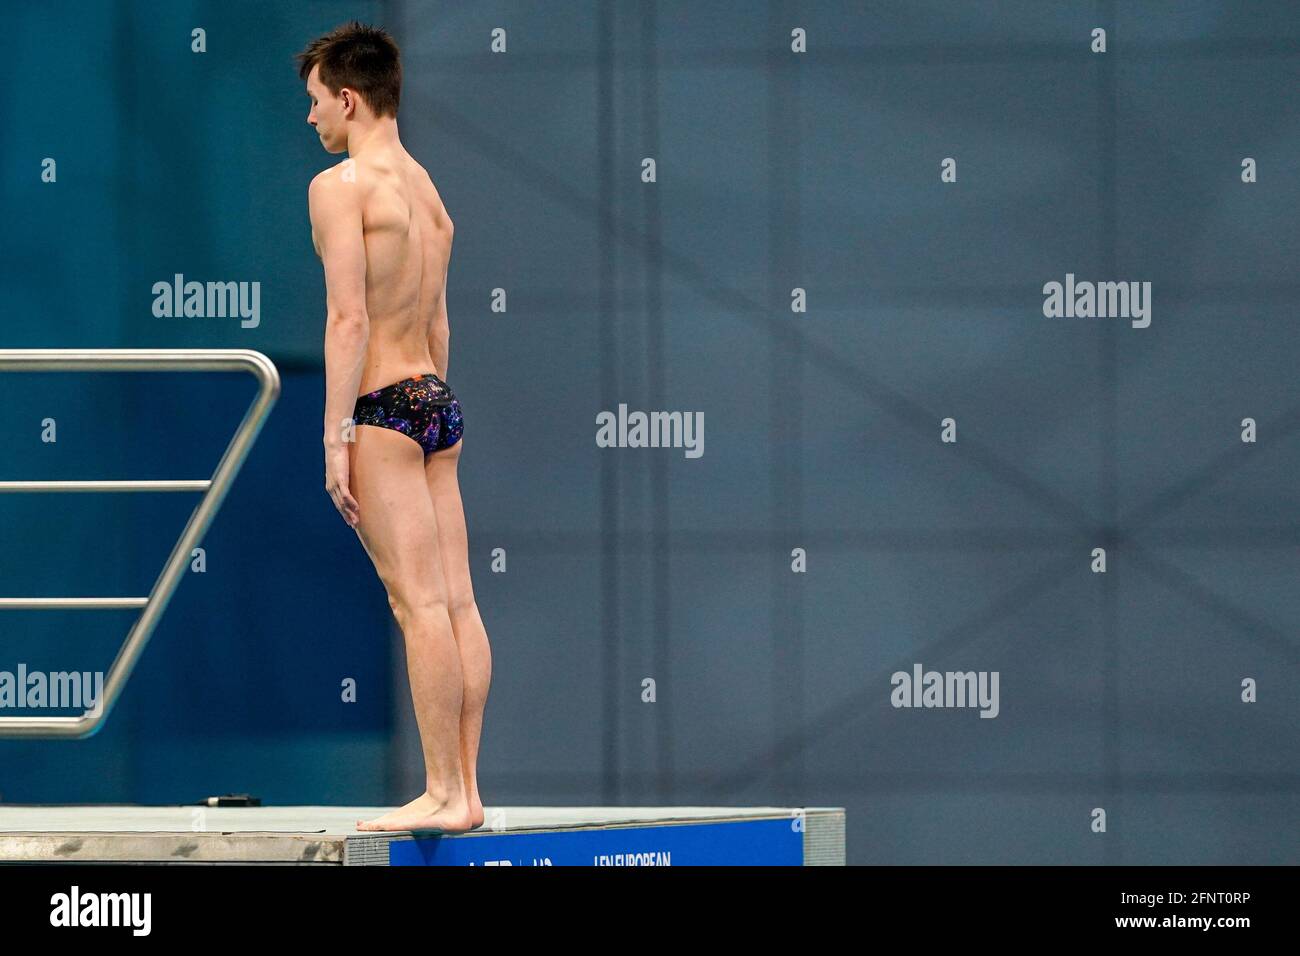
(81,603)
(145,485)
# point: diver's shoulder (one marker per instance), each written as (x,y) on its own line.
(334,178)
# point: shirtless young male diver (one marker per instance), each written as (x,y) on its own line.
(392,424)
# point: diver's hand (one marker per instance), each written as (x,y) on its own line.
(336,483)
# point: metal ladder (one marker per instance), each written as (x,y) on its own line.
(214,488)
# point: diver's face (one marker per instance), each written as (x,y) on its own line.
(327,114)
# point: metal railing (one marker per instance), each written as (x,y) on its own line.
(215,488)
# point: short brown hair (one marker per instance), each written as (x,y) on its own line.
(360,57)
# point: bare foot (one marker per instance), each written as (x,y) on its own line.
(475,804)
(423,813)
(475,812)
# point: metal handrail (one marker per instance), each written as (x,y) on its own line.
(139,360)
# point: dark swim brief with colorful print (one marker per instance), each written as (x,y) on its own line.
(422,408)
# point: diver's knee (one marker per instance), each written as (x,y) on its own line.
(418,608)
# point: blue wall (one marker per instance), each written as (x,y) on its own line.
(173,161)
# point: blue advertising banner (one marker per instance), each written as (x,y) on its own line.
(739,843)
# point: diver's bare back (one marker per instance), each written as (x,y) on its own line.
(408,237)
